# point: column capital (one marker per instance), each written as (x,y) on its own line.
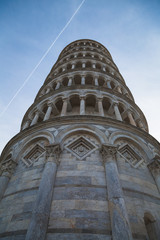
(154,166)
(50,104)
(108,152)
(52,153)
(7,167)
(99,98)
(65,99)
(114,104)
(82,97)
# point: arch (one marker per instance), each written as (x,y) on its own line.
(78,65)
(65,81)
(90,104)
(106,105)
(54,84)
(89,80)
(101,81)
(98,66)
(149,222)
(88,129)
(74,105)
(117,136)
(77,79)
(112,84)
(69,66)
(58,104)
(72,56)
(59,70)
(80,55)
(43,135)
(88,54)
(88,64)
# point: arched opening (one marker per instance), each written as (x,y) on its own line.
(89,80)
(60,70)
(121,108)
(101,81)
(90,104)
(72,56)
(65,81)
(150,226)
(98,66)
(88,55)
(106,105)
(74,105)
(112,84)
(88,65)
(77,79)
(96,56)
(126,120)
(54,85)
(80,55)
(44,108)
(69,66)
(40,118)
(78,65)
(58,109)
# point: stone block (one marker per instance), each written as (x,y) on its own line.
(93,193)
(74,213)
(76,180)
(77,236)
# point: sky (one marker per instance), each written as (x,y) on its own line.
(130,30)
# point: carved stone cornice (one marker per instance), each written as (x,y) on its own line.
(7,167)
(108,152)
(154,166)
(52,153)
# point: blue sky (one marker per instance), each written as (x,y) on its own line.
(129,29)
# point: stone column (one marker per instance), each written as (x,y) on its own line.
(118,212)
(26,125)
(83,65)
(96,81)
(100,107)
(93,65)
(35,119)
(140,124)
(119,89)
(6,170)
(70,81)
(73,66)
(109,85)
(154,167)
(48,90)
(82,105)
(131,119)
(64,107)
(40,214)
(58,85)
(83,80)
(48,113)
(117,112)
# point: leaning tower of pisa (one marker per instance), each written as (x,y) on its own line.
(83,165)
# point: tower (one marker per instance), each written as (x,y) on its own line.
(83,165)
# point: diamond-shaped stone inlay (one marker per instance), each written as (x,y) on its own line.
(33,155)
(131,156)
(81,147)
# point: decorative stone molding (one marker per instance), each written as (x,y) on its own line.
(108,153)
(81,147)
(52,153)
(154,166)
(7,168)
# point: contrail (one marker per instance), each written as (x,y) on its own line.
(29,76)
